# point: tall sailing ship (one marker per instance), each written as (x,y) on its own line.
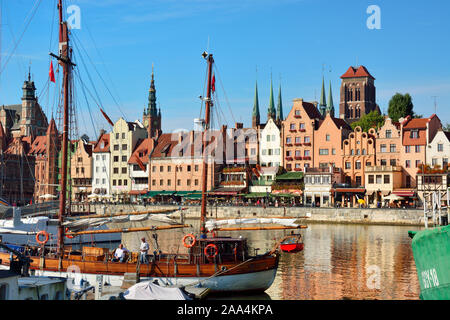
(222,264)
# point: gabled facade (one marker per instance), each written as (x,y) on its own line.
(270,148)
(298,134)
(438,150)
(416,135)
(81,171)
(101,167)
(139,176)
(123,140)
(329,137)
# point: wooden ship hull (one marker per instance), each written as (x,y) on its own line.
(253,275)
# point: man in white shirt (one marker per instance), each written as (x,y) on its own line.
(119,254)
(144,251)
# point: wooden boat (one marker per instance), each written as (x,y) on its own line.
(221,264)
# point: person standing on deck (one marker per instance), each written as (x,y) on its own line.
(144,251)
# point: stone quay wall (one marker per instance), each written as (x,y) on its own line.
(407,217)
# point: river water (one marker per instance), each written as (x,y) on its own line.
(338,262)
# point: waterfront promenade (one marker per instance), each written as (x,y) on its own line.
(406,217)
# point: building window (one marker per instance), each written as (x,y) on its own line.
(357,152)
(297,112)
(196,182)
(307,139)
(196,168)
(124,147)
(323,152)
(388,134)
(253,151)
(417,149)
(298,140)
(125,182)
(393,162)
(277,151)
(117,136)
(292,126)
(333,151)
(123,135)
(307,153)
(124,158)
(414,134)
(124,170)
(379,178)
(383,162)
(408,164)
(302,126)
(169,182)
(114,182)
(119,182)
(393,148)
(116,158)
(288,153)
(407,149)
(298,153)
(358,165)
(264,152)
(188,182)
(440,147)
(383,148)
(116,147)
(417,163)
(348,165)
(288,140)
(161,169)
(387,179)
(327,137)
(358,181)
(178,182)
(153,182)
(371,180)
(116,170)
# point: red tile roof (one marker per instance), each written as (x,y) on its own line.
(311,110)
(142,151)
(361,72)
(103,144)
(164,144)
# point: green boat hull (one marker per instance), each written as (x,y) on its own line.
(431,249)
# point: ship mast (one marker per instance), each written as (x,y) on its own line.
(64,59)
(208,104)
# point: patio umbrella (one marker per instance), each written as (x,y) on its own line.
(393,197)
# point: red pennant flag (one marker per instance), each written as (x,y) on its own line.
(213,84)
(51,73)
(106,117)
(141,164)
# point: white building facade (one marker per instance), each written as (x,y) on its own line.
(270,150)
(101,167)
(438,151)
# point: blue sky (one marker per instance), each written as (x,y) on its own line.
(251,39)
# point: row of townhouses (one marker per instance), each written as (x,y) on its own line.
(312,155)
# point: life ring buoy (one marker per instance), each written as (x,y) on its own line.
(42,233)
(193,240)
(207,249)
(65,233)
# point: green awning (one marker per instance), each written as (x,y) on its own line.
(193,197)
(150,194)
(290,176)
(182,193)
(256,195)
(165,193)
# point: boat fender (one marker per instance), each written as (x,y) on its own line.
(207,250)
(193,240)
(223,268)
(67,231)
(42,233)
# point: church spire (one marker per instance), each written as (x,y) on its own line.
(330,107)
(280,116)
(323,102)
(271,113)
(255,114)
(151,110)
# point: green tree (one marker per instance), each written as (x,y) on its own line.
(400,106)
(446,127)
(371,120)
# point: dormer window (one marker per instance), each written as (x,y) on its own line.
(414,134)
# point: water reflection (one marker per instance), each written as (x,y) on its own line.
(339,261)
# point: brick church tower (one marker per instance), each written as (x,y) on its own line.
(358,94)
(152,116)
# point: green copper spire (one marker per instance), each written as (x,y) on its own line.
(151,110)
(271,112)
(280,107)
(330,107)
(256,103)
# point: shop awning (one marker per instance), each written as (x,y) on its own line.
(226,192)
(182,193)
(404,193)
(150,194)
(137,192)
(256,195)
(285,195)
(165,193)
(349,190)
(290,176)
(195,196)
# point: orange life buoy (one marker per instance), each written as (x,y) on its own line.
(42,233)
(213,246)
(67,236)
(193,240)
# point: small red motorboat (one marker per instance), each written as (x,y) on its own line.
(292,244)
